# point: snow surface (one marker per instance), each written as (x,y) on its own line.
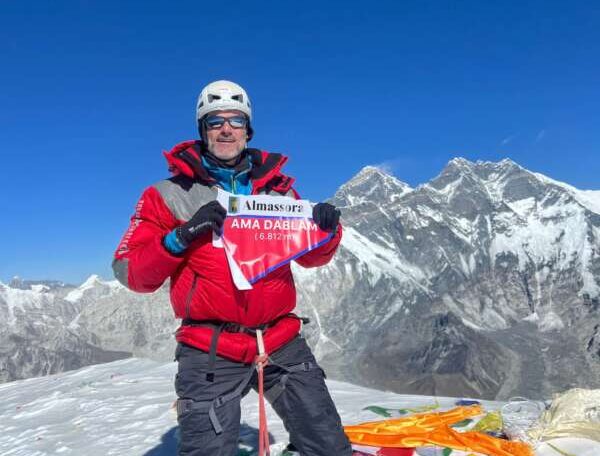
(381,260)
(587,198)
(126,407)
(543,233)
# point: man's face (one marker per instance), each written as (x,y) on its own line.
(226,142)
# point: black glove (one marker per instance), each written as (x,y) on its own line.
(326,216)
(209,217)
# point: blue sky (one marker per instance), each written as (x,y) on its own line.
(92,92)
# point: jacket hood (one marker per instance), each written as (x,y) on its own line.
(266,167)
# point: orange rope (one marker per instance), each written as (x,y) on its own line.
(261,362)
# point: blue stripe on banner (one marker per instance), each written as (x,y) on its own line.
(272,268)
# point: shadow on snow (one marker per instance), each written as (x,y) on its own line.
(248,442)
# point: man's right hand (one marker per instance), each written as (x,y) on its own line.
(209,217)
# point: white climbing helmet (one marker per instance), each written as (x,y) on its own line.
(223,96)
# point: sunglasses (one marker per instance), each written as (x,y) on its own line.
(216,122)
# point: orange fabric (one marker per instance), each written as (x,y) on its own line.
(261,362)
(424,429)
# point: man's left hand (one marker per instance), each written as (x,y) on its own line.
(326,216)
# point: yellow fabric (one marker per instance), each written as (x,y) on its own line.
(491,422)
(423,408)
(419,421)
(574,413)
(433,429)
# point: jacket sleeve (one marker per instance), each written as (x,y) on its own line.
(141,262)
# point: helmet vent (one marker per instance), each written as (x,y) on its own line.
(223,96)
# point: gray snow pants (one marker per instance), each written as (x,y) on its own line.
(209,412)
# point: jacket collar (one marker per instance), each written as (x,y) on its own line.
(266,172)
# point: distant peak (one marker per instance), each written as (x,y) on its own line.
(460,161)
(481,167)
(90,281)
(16,282)
(371,169)
(458,165)
(508,161)
(374,171)
(505,163)
(371,182)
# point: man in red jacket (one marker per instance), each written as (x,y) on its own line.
(170,236)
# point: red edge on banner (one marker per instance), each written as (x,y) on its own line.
(288,260)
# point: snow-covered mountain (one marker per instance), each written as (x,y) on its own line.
(53,329)
(142,324)
(39,337)
(484,281)
(22,284)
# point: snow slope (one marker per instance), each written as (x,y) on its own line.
(126,407)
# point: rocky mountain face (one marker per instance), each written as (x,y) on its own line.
(483,282)
(142,324)
(39,335)
(52,327)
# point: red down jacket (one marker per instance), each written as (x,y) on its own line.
(201,284)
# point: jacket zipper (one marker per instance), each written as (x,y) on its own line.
(188,299)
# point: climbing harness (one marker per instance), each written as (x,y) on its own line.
(261,361)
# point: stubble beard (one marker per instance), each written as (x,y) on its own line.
(228,154)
